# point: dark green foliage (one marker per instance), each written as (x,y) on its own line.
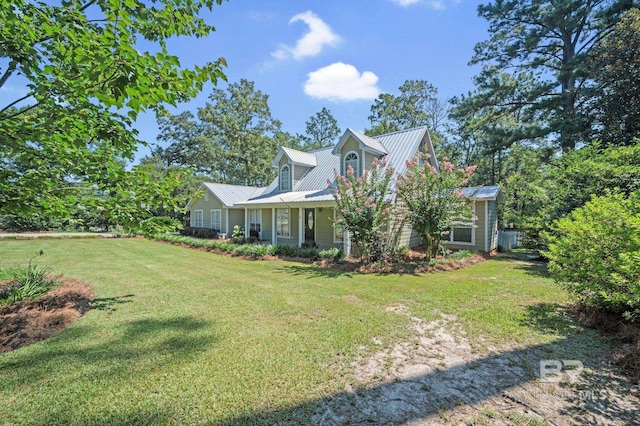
(199,232)
(615,68)
(583,173)
(27,283)
(255,251)
(594,253)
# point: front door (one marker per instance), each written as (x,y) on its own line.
(310,225)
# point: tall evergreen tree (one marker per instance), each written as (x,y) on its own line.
(550,39)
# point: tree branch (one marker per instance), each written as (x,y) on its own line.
(8,72)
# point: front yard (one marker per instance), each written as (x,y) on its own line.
(183,336)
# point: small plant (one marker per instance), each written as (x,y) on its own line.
(237,236)
(27,283)
(335,254)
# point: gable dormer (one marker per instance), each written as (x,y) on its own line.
(358,151)
(292,165)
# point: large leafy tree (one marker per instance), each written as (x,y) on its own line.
(88,68)
(321,131)
(550,39)
(615,68)
(417,104)
(239,123)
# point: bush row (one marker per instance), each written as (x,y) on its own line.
(255,251)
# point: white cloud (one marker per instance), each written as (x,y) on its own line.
(405,3)
(319,35)
(438,5)
(341,82)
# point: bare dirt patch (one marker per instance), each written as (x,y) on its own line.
(438,378)
(30,321)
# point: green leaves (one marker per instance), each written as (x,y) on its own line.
(593,253)
(87,82)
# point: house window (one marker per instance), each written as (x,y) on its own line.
(338,232)
(282,223)
(197,219)
(206,195)
(255,223)
(285,178)
(216,220)
(352,159)
(464,230)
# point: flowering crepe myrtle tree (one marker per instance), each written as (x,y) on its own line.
(435,201)
(365,208)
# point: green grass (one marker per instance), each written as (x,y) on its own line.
(184,336)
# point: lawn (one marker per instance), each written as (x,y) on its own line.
(183,336)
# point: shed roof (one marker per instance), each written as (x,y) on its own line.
(484,193)
(307,159)
(230,195)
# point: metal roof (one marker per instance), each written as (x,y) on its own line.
(230,195)
(370,142)
(307,159)
(483,193)
(402,147)
(293,197)
(313,187)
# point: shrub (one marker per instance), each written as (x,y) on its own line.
(434,199)
(335,254)
(160,224)
(200,232)
(237,235)
(27,283)
(364,205)
(594,253)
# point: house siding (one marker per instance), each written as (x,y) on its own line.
(409,237)
(267,225)
(368,159)
(480,233)
(298,171)
(324,229)
(236,217)
(206,206)
(493,225)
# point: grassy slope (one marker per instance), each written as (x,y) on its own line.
(178,335)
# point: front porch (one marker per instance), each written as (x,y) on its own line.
(312,226)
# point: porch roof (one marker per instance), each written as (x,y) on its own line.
(285,198)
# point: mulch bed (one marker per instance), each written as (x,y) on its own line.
(625,334)
(30,321)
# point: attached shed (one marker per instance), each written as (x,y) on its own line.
(482,233)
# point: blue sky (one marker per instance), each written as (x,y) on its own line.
(339,54)
(309,54)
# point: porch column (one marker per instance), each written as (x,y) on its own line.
(246,223)
(300,226)
(226,220)
(274,238)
